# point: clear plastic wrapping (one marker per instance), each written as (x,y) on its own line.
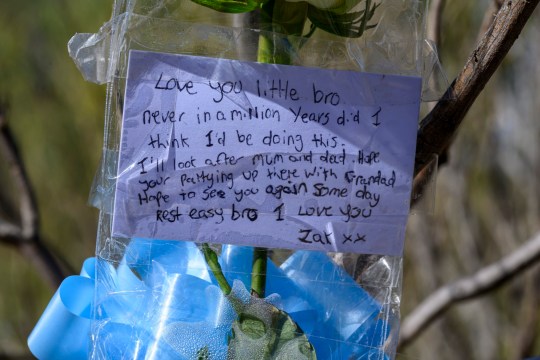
(168,299)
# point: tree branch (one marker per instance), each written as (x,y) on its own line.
(485,280)
(491,12)
(26,237)
(438,128)
(10,234)
(27,202)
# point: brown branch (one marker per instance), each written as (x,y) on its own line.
(491,12)
(438,128)
(10,234)
(26,237)
(485,280)
(28,207)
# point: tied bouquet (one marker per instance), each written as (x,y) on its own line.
(257,319)
(171,299)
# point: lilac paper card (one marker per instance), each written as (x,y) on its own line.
(225,151)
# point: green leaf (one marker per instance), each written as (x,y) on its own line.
(252,326)
(352,24)
(203,353)
(231,6)
(264,332)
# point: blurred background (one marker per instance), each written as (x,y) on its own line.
(487,204)
(57,120)
(487,193)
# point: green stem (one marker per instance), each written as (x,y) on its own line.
(278,18)
(212,260)
(258,272)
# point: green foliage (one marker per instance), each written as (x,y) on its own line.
(264,332)
(351,24)
(203,353)
(251,326)
(261,331)
(231,6)
(289,17)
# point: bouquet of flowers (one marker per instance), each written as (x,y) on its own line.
(156,298)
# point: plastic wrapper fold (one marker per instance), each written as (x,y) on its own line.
(155,298)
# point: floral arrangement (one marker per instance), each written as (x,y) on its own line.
(178,300)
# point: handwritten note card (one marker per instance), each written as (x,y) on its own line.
(226,151)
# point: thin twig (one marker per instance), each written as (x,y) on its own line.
(10,234)
(439,127)
(27,202)
(26,237)
(485,280)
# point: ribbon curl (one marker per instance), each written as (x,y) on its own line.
(161,302)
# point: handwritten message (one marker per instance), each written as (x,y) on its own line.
(226,151)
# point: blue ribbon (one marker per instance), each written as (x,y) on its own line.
(161,302)
(63,331)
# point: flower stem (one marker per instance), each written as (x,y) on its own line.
(258,272)
(278,18)
(212,260)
